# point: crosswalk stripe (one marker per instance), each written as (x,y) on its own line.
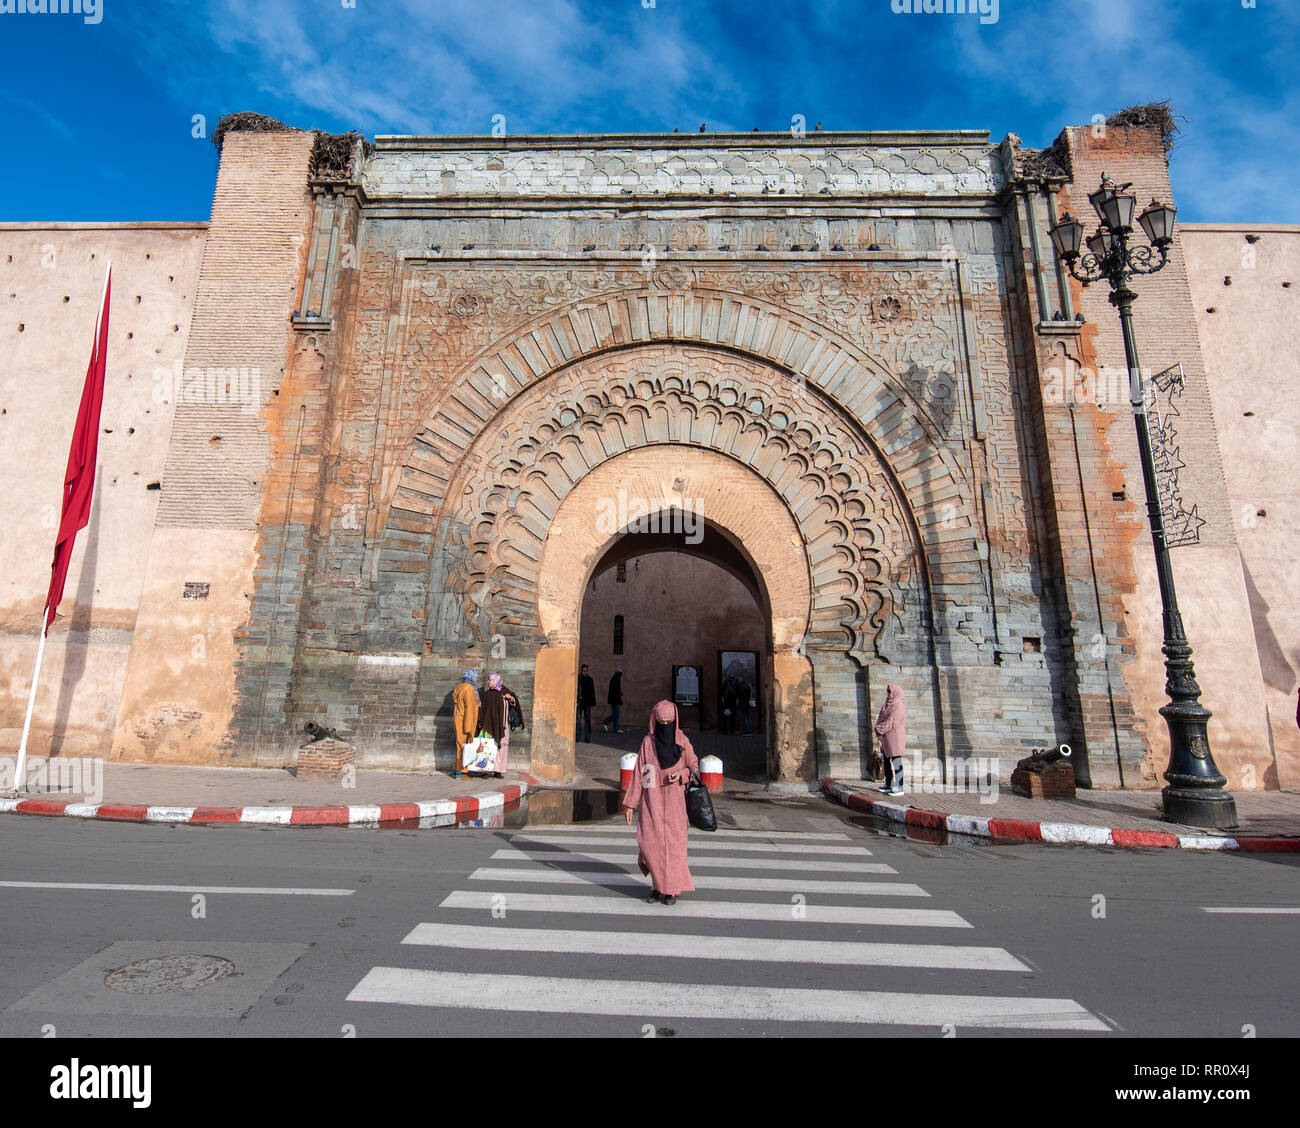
(699,843)
(698,859)
(500,939)
(617,905)
(549,874)
(104,887)
(721,835)
(555,995)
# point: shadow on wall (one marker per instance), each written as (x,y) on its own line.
(953,735)
(75,652)
(1278,672)
(866,722)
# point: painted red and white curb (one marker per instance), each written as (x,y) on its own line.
(455,810)
(1077,834)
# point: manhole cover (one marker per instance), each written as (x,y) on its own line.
(159,974)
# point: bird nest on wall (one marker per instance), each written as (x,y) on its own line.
(1158,114)
(331,155)
(247,123)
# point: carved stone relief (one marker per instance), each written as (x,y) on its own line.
(868,591)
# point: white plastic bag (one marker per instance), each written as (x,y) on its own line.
(479,754)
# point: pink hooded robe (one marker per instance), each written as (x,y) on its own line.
(889,724)
(660,795)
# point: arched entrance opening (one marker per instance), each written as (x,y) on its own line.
(750,529)
(679,608)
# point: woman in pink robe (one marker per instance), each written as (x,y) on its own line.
(890,728)
(658,791)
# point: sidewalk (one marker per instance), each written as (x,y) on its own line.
(1269,820)
(174,793)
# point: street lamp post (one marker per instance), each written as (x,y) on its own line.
(1195,795)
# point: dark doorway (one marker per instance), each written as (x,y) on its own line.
(655,605)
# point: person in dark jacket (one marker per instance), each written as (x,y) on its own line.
(743,694)
(494,719)
(586,700)
(614,698)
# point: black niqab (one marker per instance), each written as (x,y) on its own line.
(666,750)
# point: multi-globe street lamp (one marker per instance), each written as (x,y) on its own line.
(1195,795)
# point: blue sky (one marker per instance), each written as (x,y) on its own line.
(97,117)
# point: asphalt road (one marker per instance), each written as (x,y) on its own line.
(806,923)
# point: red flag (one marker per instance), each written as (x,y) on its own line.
(79,480)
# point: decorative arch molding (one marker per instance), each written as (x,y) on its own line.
(863,532)
(757,522)
(671,308)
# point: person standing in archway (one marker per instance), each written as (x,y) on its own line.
(614,698)
(892,733)
(586,702)
(465,714)
(657,794)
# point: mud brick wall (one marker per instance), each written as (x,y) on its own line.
(223,483)
(1113,533)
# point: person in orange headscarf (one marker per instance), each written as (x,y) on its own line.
(465,715)
(890,729)
(658,792)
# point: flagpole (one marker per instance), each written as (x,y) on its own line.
(20,769)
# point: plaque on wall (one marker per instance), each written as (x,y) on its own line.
(686,685)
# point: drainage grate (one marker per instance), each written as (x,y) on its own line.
(158,975)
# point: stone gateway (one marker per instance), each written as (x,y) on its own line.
(435,391)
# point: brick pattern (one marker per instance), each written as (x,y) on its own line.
(219,454)
(1054,781)
(325,759)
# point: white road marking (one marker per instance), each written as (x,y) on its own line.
(700,836)
(615,905)
(59,886)
(554,995)
(497,938)
(628,857)
(550,874)
(1264,909)
(709,844)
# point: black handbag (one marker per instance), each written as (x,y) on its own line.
(516,718)
(699,807)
